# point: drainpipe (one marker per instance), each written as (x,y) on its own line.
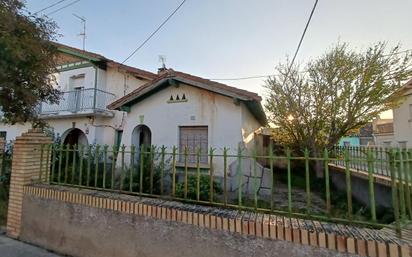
(95,89)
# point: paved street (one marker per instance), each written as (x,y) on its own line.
(13,248)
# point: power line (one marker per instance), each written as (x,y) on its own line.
(63,7)
(50,6)
(294,56)
(154,32)
(271,75)
(301,40)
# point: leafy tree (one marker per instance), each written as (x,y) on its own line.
(335,94)
(27,60)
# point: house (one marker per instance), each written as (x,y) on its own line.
(362,138)
(88,82)
(402,119)
(383,132)
(179,109)
(397,132)
(105,102)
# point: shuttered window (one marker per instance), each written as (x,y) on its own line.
(193,137)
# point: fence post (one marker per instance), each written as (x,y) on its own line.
(25,169)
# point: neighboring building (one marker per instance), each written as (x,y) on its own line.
(349,141)
(397,132)
(89,82)
(402,119)
(363,138)
(383,132)
(178,109)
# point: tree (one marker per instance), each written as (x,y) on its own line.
(336,93)
(27,62)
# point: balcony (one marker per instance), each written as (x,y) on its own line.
(79,102)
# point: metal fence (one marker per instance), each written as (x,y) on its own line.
(234,179)
(359,156)
(80,100)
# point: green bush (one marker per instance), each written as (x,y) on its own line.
(204,188)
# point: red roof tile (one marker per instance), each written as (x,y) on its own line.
(110,63)
(213,86)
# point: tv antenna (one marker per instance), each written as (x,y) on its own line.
(82,34)
(162,59)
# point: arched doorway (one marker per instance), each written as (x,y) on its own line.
(74,137)
(141,135)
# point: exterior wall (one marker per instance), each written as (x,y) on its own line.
(14,130)
(85,231)
(353,141)
(381,139)
(100,130)
(249,125)
(63,79)
(89,223)
(402,122)
(227,124)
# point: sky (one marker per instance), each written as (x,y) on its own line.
(228,38)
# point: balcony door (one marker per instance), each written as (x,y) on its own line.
(75,96)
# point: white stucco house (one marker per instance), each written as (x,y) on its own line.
(105,102)
(89,82)
(398,131)
(179,109)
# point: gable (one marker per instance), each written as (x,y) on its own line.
(68,62)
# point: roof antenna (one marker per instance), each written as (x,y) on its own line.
(162,59)
(82,34)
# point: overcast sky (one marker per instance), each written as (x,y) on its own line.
(229,38)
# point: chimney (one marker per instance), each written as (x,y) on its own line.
(161,70)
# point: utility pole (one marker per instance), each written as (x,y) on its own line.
(82,34)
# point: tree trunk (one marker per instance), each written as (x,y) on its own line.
(319,168)
(319,164)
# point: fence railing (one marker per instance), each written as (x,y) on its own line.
(80,100)
(234,178)
(359,156)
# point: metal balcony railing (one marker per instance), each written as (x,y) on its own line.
(88,100)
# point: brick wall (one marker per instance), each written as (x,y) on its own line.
(25,169)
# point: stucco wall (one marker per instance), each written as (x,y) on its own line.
(83,231)
(64,78)
(380,139)
(225,120)
(249,126)
(101,130)
(402,122)
(353,141)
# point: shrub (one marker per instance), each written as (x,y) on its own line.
(204,188)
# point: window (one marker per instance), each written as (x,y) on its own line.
(3,134)
(387,144)
(402,144)
(77,81)
(194,138)
(346,143)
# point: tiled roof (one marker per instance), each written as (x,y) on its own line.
(211,85)
(110,63)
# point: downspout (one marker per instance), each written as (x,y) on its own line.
(95,89)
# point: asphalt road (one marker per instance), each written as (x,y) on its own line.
(13,248)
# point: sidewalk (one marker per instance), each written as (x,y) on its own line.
(13,248)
